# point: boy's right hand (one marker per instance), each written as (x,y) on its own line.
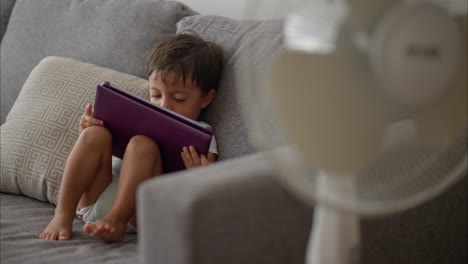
(88,120)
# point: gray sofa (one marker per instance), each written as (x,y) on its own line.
(234,211)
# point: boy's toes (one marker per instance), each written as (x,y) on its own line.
(64,236)
(50,236)
(54,236)
(89,228)
(96,230)
(47,236)
(99,230)
(109,229)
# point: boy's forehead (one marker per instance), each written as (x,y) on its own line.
(172,79)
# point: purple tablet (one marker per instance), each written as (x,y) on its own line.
(127,115)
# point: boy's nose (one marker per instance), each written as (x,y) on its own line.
(166,104)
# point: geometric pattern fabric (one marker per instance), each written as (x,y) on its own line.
(43,124)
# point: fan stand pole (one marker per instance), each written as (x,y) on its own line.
(335,234)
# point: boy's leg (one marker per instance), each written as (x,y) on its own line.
(87,173)
(142,160)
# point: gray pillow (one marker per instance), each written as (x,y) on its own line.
(261,39)
(116,34)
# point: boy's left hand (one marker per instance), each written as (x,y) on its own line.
(192,159)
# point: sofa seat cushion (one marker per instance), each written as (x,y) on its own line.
(23,218)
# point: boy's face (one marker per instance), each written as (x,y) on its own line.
(186,99)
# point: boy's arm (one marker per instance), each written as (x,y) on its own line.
(192,159)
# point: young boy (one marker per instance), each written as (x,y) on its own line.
(184,72)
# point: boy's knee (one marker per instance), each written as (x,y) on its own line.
(96,135)
(143,145)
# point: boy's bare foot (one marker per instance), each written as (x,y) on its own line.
(109,229)
(59,228)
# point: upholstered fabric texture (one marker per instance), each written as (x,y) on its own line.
(23,219)
(116,34)
(42,126)
(234,212)
(259,41)
(5,11)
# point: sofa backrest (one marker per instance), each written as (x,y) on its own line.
(260,40)
(6,6)
(116,34)
(119,34)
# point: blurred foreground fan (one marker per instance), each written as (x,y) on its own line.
(372,99)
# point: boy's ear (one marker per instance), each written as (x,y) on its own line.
(208,98)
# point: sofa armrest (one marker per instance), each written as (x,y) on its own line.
(233,211)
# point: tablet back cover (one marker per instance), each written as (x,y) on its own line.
(126,116)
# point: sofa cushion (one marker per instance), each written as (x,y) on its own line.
(260,40)
(42,126)
(116,34)
(24,218)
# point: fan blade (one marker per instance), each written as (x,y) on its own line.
(442,120)
(328,107)
(366,13)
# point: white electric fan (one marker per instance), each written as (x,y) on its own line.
(370,98)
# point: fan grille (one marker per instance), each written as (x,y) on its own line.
(402,176)
(408,173)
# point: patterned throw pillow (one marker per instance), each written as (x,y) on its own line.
(42,126)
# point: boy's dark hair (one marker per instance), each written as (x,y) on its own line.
(188,55)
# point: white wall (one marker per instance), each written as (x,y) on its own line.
(228,8)
(238,8)
(245,9)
